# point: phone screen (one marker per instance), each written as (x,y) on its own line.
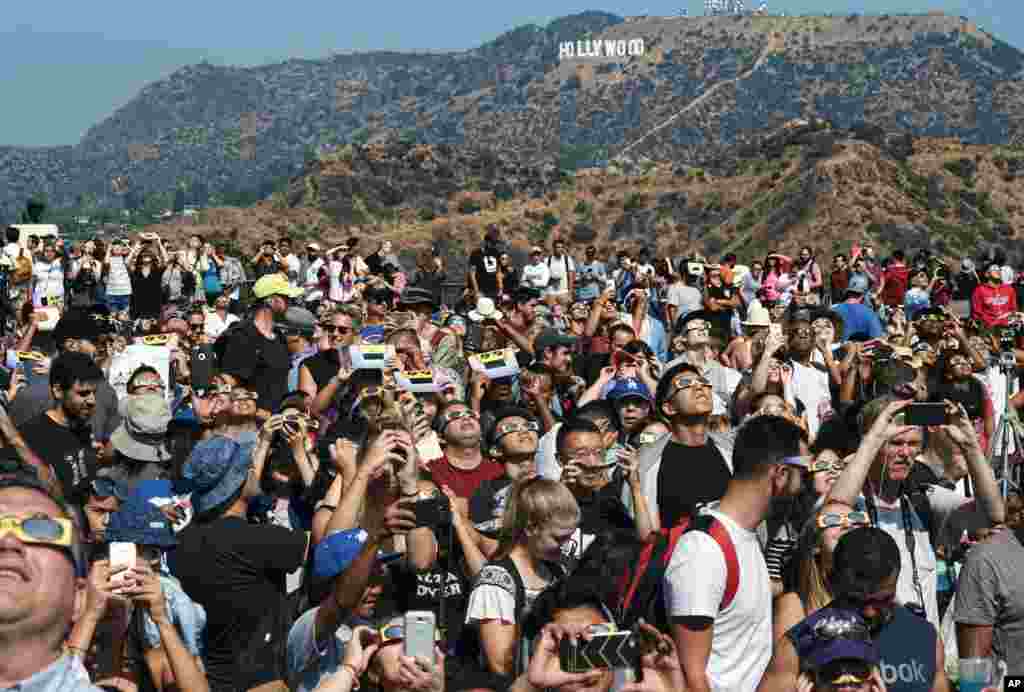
(419,634)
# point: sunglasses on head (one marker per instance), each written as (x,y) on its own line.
(845,520)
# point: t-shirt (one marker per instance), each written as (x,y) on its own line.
(859,321)
(487,506)
(462,482)
(486,268)
(687,299)
(35,399)
(721,319)
(942,503)
(308,663)
(991,594)
(236,571)
(560,268)
(68,451)
(687,477)
(261,363)
(694,587)
(810,384)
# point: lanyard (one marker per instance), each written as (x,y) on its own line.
(908,535)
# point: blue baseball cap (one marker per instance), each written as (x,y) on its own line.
(834,634)
(337,551)
(628,388)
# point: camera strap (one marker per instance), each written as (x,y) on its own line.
(908,535)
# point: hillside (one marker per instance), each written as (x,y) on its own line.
(807,183)
(704,86)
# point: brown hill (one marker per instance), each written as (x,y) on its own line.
(807,184)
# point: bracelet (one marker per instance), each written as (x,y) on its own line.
(355,675)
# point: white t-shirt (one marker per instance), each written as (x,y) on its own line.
(687,299)
(560,268)
(694,585)
(811,386)
(215,326)
(49,279)
(536,276)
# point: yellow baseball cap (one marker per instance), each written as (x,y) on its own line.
(275,285)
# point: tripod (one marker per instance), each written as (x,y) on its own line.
(1010,432)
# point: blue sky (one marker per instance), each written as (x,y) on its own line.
(65,66)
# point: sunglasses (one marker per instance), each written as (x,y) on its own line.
(40,529)
(932,317)
(833,520)
(148,386)
(449,418)
(243,395)
(510,428)
(196,326)
(819,465)
(589,453)
(698,326)
(803,331)
(956,362)
(336,329)
(682,382)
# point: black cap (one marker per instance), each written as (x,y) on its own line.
(549,338)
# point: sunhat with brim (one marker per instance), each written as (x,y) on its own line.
(758,316)
(141,523)
(485,310)
(214,472)
(143,430)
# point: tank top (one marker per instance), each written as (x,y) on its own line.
(119,283)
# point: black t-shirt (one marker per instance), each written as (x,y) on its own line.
(722,319)
(486,267)
(600,512)
(236,571)
(262,364)
(68,451)
(323,366)
(689,476)
(147,294)
(487,506)
(423,590)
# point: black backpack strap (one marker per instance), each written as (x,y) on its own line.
(504,574)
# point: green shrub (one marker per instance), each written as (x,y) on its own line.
(426,214)
(469,206)
(634,201)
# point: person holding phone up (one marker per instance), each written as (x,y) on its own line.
(874,481)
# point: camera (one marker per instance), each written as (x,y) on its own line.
(433,511)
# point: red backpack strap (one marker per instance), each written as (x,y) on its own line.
(716,529)
(629,584)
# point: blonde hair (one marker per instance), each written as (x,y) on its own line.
(811,577)
(534,502)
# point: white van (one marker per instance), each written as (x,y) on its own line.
(39,230)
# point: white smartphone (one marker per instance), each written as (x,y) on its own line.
(122,559)
(429,447)
(420,633)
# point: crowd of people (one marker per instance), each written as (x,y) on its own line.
(613,471)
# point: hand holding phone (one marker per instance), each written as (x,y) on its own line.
(122,560)
(420,635)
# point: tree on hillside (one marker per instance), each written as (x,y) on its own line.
(35,210)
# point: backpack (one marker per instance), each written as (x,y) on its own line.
(641,592)
(22,268)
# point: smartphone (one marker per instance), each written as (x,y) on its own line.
(474,337)
(606,650)
(432,511)
(927,414)
(420,634)
(202,366)
(775,329)
(429,447)
(122,559)
(621,359)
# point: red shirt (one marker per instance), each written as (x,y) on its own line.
(993,304)
(896,277)
(462,482)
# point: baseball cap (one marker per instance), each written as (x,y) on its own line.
(549,338)
(275,285)
(628,388)
(337,551)
(834,634)
(299,321)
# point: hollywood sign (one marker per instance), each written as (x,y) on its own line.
(605,48)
